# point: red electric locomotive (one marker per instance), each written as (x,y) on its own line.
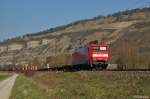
(99,54)
(94,54)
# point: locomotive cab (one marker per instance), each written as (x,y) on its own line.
(99,55)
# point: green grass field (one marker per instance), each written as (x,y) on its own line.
(26,89)
(4,75)
(82,85)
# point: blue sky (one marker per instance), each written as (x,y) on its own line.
(19,17)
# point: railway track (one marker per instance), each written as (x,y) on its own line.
(72,69)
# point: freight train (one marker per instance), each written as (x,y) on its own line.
(94,55)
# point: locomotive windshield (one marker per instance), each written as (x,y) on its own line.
(99,48)
(103,48)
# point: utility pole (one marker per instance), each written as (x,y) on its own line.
(55,46)
(80,42)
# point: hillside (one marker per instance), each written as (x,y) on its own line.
(117,29)
(133,47)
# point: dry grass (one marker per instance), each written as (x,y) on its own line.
(93,85)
